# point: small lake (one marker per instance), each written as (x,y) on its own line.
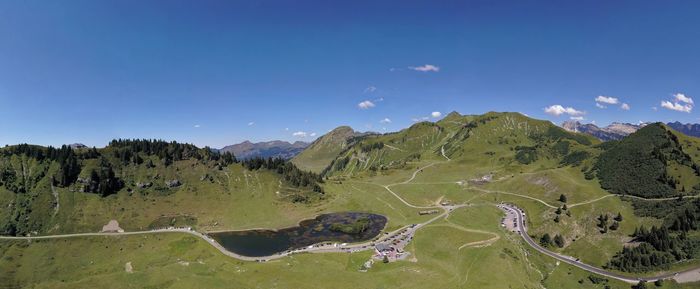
(345,227)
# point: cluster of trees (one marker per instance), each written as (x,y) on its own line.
(668,243)
(340,164)
(69,169)
(562,147)
(575,158)
(659,247)
(679,214)
(291,174)
(127,150)
(555,133)
(561,210)
(50,153)
(637,164)
(525,155)
(67,159)
(547,241)
(102,180)
(597,280)
(684,221)
(604,222)
(365,148)
(87,169)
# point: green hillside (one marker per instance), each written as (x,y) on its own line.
(143,184)
(502,138)
(564,181)
(319,155)
(653,162)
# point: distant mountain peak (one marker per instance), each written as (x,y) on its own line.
(690,129)
(614,131)
(77,146)
(275,148)
(453,114)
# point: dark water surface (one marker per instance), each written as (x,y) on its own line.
(256,243)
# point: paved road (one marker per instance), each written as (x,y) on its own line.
(522,230)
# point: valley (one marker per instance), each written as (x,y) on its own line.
(438,185)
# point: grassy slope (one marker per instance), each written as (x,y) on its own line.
(235,198)
(324,150)
(232,198)
(506,263)
(178,261)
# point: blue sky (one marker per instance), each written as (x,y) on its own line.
(219,72)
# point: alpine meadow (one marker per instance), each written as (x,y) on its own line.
(390,144)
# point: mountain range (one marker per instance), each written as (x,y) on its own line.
(462,164)
(274,149)
(617,131)
(614,131)
(691,129)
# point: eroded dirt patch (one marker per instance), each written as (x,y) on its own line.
(112,227)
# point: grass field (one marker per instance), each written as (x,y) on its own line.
(180,261)
(467,249)
(234,198)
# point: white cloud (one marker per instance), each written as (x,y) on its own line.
(625,106)
(365,104)
(579,118)
(436,114)
(680,102)
(301,134)
(558,110)
(197,126)
(677,106)
(679,97)
(598,105)
(607,99)
(370,89)
(286,129)
(654,108)
(425,68)
(417,119)
(313,134)
(251,123)
(379,99)
(385,120)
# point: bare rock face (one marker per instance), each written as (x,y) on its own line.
(173,183)
(144,185)
(614,131)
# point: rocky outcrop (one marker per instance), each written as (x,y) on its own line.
(173,183)
(144,185)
